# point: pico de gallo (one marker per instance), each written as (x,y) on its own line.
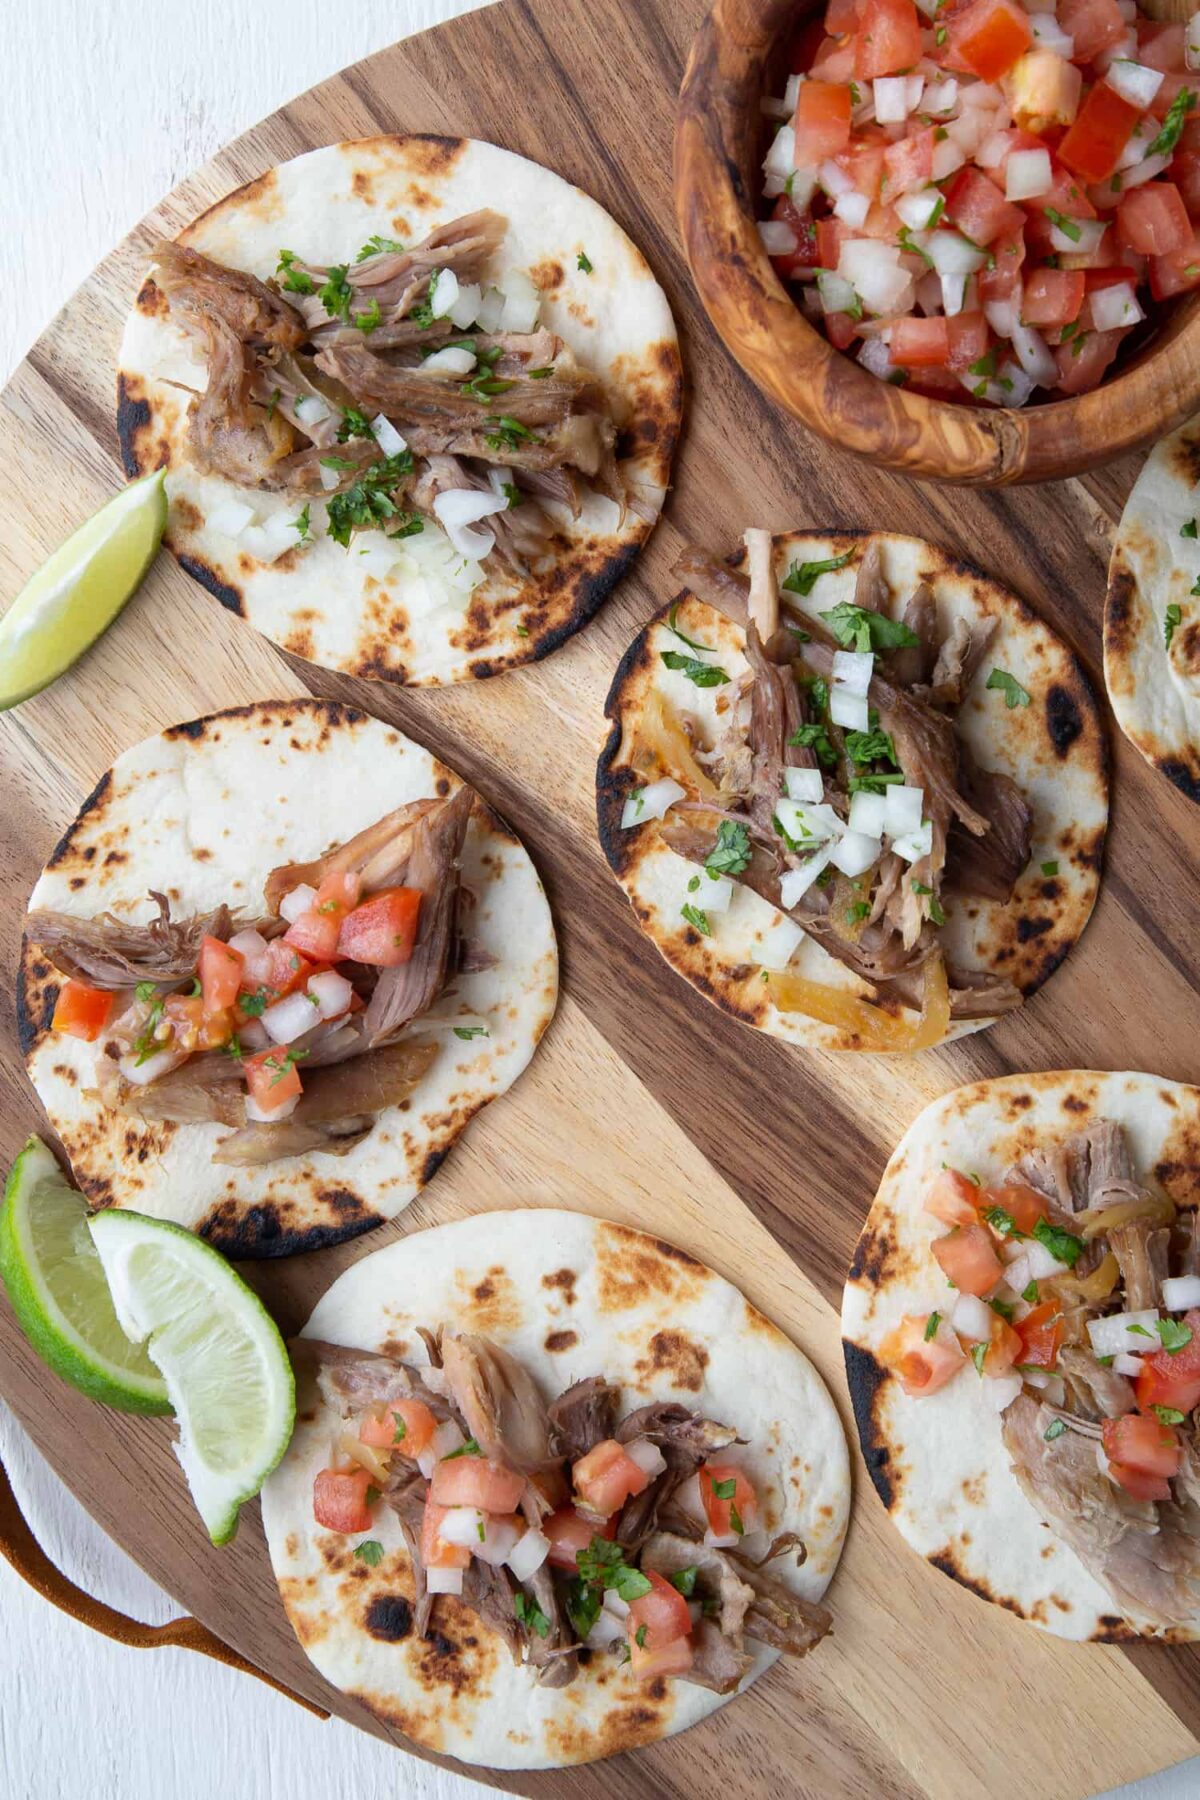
(1072,1293)
(983,201)
(568,1529)
(294,1028)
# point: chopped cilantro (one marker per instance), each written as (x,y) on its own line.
(978,1352)
(354,424)
(467,1032)
(379,246)
(1173,1336)
(870,746)
(470,1448)
(368,500)
(1070,228)
(857,628)
(1008,685)
(697,919)
(282,1065)
(931,1325)
(1172,125)
(693,884)
(147,1043)
(1168,1415)
(731,852)
(682,636)
(508,434)
(1054,1429)
(369,1551)
(539,374)
(530,1614)
(294,281)
(584,262)
(409,526)
(368,319)
(639,1637)
(1188,530)
(337,294)
(801,578)
(1030,1294)
(254,1005)
(1061,1244)
(1002,1222)
(1171,623)
(146,991)
(401,1429)
(724,1490)
(685,1580)
(816,739)
(300,524)
(703,674)
(859,911)
(422,314)
(1049,868)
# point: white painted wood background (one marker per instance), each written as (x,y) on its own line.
(104,106)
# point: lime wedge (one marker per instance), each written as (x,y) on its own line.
(58,1291)
(219,1350)
(61,611)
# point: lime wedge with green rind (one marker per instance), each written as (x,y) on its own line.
(219,1350)
(58,1290)
(76,595)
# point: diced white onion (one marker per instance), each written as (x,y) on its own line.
(848,710)
(993,150)
(954,294)
(651,802)
(1001,1390)
(726,1540)
(1083,239)
(947,157)
(1027,173)
(290,1018)
(852,209)
(1192,42)
(876,358)
(780,159)
(795,883)
(332,993)
(916,209)
(527,1554)
(230,518)
(1115,307)
(454,359)
(867,813)
(777,946)
(251,946)
(852,670)
(1125,1364)
(460,1525)
(1034,354)
(916,845)
(299,900)
(856,852)
(329,477)
(606,1630)
(161,1063)
(522,302)
(465,310)
(778,238)
(614,1604)
(1048,34)
(940,96)
(873,269)
(1146,170)
(445,293)
(444,1581)
(716,894)
(385,433)
(973,1318)
(903,806)
(446,1437)
(951,254)
(1110,1336)
(458,509)
(1181,1292)
(1042,1263)
(262,1115)
(834,179)
(312,410)
(491,310)
(891,98)
(807,786)
(498,1541)
(1102,1462)
(648,1457)
(1003,316)
(1134,82)
(804,822)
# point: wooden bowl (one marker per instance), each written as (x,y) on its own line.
(720,138)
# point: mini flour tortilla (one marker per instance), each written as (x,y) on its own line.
(1054,749)
(203,813)
(1155,688)
(938,1463)
(569,1296)
(317,602)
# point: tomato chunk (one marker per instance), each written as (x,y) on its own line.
(340,1499)
(81,1010)
(1004,1348)
(675,1658)
(924,1360)
(967,1258)
(272,1078)
(569,1533)
(1094,25)
(909,163)
(607,1477)
(383,929)
(979,209)
(730,1502)
(435,1552)
(405,1425)
(1041,1335)
(1173,1381)
(315,934)
(286,968)
(953,1199)
(1177,273)
(805,255)
(1153,219)
(220,974)
(476,1481)
(1083,362)
(1142,1445)
(890,39)
(1024,1206)
(1095,141)
(1052,296)
(988,38)
(919,343)
(822,122)
(1002,280)
(968,339)
(656,1619)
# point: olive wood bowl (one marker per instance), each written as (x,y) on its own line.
(720,139)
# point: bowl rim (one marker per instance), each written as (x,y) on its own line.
(718,124)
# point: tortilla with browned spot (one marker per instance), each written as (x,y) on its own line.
(203,812)
(457,1690)
(1054,749)
(315,600)
(1152,614)
(939,1463)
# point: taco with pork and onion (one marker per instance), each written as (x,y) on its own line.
(556,1490)
(1022,1336)
(856,791)
(417,398)
(273,969)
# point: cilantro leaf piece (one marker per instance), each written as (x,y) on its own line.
(801,578)
(368,319)
(336,294)
(978,1352)
(1030,1294)
(530,1614)
(1054,1429)
(931,1325)
(470,1448)
(1070,228)
(1173,1336)
(354,424)
(683,638)
(508,433)
(702,673)
(471,1031)
(368,501)
(301,524)
(870,746)
(685,1580)
(731,852)
(697,919)
(584,263)
(583,1606)
(1061,1244)
(725,1490)
(1049,868)
(254,1005)
(146,991)
(293,280)
(401,1428)
(1172,125)
(1168,1415)
(857,628)
(369,1551)
(1189,530)
(1008,685)
(1171,623)
(815,737)
(379,246)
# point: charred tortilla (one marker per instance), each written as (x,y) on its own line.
(939,1461)
(569,1297)
(1028,716)
(1152,615)
(203,813)
(385,608)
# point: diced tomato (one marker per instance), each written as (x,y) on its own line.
(924,1362)
(272,1078)
(1177,273)
(719,1508)
(196,1028)
(1173,1381)
(1083,362)
(435,1552)
(405,1425)
(909,162)
(1002,280)
(953,1199)
(841,330)
(1065,196)
(919,343)
(606,1478)
(1041,1335)
(569,1533)
(890,39)
(979,209)
(834,61)
(383,929)
(286,968)
(805,255)
(863,163)
(1145,1444)
(1169,92)
(831,234)
(315,935)
(220,974)
(1024,1205)
(805,45)
(675,1658)
(1162,46)
(822,122)
(1095,141)
(1052,296)
(476,1481)
(1004,1348)
(340,1499)
(968,335)
(987,38)
(81,1010)
(1094,25)
(967,1258)
(841,16)
(1185,173)
(1138,1483)
(1119,275)
(656,1619)
(1153,219)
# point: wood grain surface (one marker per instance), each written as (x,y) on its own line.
(644,1104)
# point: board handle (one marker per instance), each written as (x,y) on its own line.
(21,1549)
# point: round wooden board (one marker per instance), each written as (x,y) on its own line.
(644,1104)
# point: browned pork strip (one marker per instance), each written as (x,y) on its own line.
(338,1107)
(351,1380)
(253,312)
(434,868)
(912,663)
(989,865)
(116,953)
(505,1414)
(396,280)
(583,1416)
(1140,1248)
(373,853)
(230,433)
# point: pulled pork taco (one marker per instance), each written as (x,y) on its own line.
(856,792)
(418,399)
(1022,1338)
(1152,615)
(555,1490)
(273,969)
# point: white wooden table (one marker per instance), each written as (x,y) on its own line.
(103,108)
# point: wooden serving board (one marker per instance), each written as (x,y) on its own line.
(644,1104)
